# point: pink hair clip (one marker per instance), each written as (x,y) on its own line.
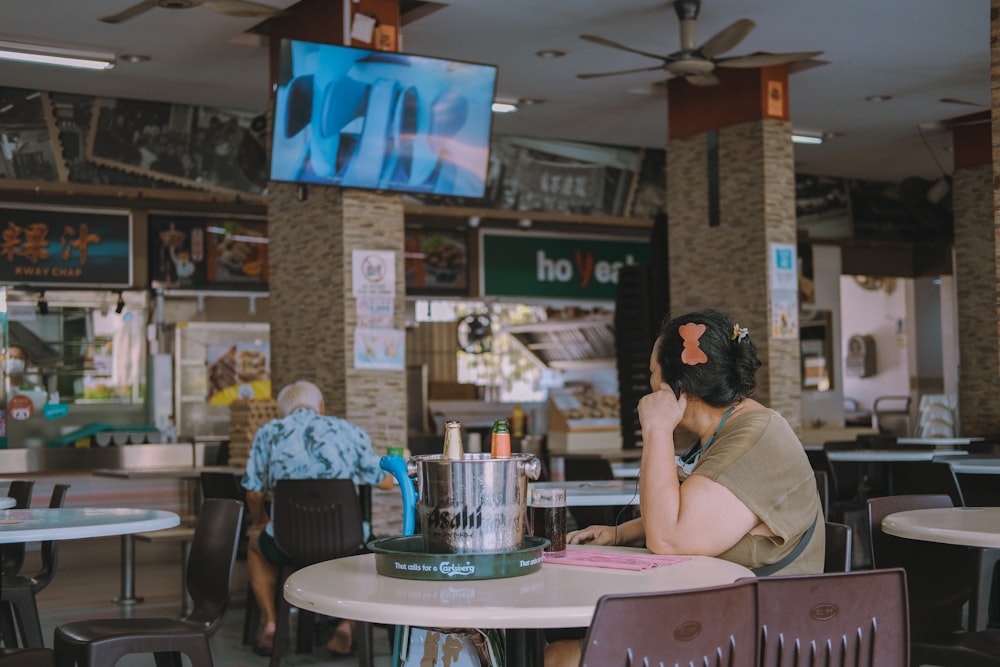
(692,354)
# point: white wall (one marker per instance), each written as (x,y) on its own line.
(884,317)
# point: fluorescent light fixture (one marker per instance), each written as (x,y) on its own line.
(55,55)
(806,139)
(504,107)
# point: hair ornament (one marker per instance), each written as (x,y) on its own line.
(692,354)
(739,333)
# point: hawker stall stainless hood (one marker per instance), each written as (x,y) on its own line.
(580,344)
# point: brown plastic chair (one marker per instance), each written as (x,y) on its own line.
(100,642)
(315,520)
(707,626)
(942,579)
(19,591)
(838,547)
(857,619)
(26,657)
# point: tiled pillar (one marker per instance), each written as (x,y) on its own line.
(313,233)
(722,216)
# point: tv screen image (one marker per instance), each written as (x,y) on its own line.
(381,120)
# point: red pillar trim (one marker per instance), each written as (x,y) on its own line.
(742,95)
(972,138)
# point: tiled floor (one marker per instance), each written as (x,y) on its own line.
(89,577)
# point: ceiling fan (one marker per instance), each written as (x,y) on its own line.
(696,63)
(238,8)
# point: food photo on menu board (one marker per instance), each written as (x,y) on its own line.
(238,371)
(202,253)
(436,261)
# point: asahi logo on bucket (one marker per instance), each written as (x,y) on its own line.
(444,518)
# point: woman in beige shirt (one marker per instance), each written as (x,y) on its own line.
(748,493)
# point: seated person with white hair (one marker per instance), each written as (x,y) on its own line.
(302,444)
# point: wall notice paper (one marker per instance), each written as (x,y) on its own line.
(375,312)
(373,272)
(380,349)
(784,266)
(611,559)
(362,27)
(784,314)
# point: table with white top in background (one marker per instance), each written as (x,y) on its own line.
(190,477)
(555,596)
(938,442)
(973,527)
(886,455)
(976,465)
(7,502)
(595,493)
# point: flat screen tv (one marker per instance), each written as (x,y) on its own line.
(383,120)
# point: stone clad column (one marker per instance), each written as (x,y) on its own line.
(976,275)
(313,233)
(731,192)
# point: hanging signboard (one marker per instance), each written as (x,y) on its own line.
(65,247)
(191,252)
(557,266)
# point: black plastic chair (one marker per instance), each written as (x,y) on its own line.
(838,548)
(856,618)
(707,626)
(823,488)
(12,555)
(942,579)
(926,477)
(100,642)
(19,591)
(315,520)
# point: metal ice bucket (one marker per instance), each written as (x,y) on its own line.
(475,504)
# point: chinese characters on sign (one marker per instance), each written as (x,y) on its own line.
(65,247)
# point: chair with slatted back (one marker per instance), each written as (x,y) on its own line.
(19,591)
(839,540)
(942,579)
(12,555)
(853,618)
(102,641)
(707,626)
(315,520)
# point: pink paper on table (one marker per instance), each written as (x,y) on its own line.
(611,559)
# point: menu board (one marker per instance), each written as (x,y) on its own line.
(436,262)
(188,252)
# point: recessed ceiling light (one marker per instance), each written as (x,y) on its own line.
(504,107)
(550,53)
(134,57)
(878,98)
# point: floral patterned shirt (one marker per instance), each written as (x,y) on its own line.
(307,445)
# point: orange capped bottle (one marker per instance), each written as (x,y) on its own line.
(500,448)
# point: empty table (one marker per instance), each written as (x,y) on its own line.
(6,502)
(596,493)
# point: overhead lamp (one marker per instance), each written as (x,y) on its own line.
(807,138)
(504,107)
(54,55)
(43,305)
(120,306)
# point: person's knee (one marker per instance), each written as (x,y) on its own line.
(563,653)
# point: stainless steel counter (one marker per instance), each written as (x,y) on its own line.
(56,459)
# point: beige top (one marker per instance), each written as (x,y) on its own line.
(760,460)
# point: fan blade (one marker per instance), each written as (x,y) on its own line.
(727,38)
(126,14)
(955,100)
(766,59)
(615,45)
(242,8)
(595,75)
(706,79)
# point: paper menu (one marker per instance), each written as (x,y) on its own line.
(612,559)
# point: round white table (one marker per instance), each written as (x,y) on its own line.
(7,502)
(966,526)
(596,493)
(70,523)
(975,528)
(556,596)
(886,455)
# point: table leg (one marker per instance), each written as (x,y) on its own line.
(187,604)
(985,562)
(128,595)
(525,647)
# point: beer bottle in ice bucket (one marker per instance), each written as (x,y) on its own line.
(453,441)
(500,448)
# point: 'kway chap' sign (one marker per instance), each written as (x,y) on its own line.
(567,267)
(65,247)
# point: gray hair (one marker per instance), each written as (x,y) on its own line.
(301,394)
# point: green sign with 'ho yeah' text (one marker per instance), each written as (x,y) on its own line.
(567,267)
